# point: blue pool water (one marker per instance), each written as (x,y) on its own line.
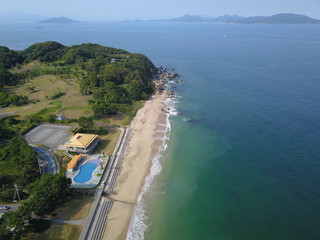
(85,173)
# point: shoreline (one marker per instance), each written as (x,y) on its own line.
(146,141)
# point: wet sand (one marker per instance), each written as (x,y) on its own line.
(147,127)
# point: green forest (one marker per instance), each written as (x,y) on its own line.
(110,80)
(19,165)
(114,77)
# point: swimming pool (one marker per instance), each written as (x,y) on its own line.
(85,173)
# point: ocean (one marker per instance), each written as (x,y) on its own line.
(243,158)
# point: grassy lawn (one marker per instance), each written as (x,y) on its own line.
(135,107)
(59,232)
(71,103)
(74,209)
(123,118)
(108,142)
(62,160)
(115,120)
(45,86)
(131,112)
(76,111)
(28,67)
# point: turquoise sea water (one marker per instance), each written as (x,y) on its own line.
(243,158)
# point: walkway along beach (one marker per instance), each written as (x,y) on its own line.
(148,129)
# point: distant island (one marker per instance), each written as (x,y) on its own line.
(281,18)
(58,20)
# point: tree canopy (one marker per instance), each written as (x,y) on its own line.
(9,58)
(86,51)
(47,190)
(95,66)
(106,99)
(47,193)
(85,123)
(44,52)
(18,155)
(7,78)
(16,100)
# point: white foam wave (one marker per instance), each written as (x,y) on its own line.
(137,225)
(170,103)
(165,138)
(161,131)
(173,112)
(165,147)
(168,125)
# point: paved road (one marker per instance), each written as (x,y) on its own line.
(13,207)
(6,114)
(49,161)
(94,225)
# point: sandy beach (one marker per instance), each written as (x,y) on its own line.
(144,143)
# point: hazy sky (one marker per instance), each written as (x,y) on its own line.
(149,9)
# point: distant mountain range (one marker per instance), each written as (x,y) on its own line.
(281,18)
(58,20)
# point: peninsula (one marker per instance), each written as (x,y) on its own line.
(50,92)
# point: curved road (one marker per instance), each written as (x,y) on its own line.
(49,161)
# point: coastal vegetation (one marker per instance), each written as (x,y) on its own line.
(59,232)
(15,100)
(46,194)
(7,78)
(85,124)
(101,80)
(93,86)
(19,165)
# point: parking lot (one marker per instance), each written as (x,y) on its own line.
(50,135)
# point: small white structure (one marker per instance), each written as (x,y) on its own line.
(60,117)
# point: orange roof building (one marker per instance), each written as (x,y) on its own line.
(73,163)
(82,143)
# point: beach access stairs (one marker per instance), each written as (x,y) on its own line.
(101,220)
(96,221)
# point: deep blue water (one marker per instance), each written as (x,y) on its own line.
(85,173)
(243,160)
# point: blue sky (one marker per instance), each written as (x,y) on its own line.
(149,9)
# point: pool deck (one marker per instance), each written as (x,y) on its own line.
(97,173)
